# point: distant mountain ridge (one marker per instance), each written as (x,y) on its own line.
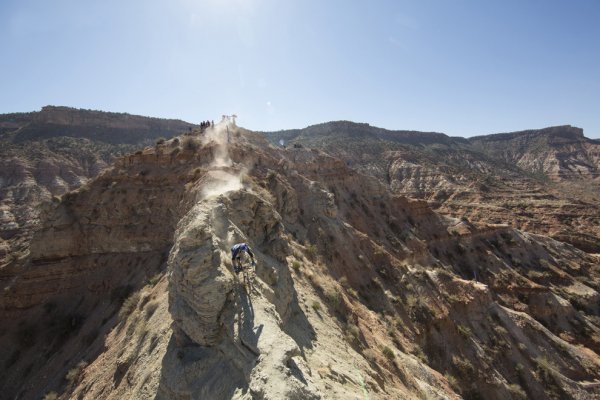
(109,127)
(544,180)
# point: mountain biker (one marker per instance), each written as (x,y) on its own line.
(236,256)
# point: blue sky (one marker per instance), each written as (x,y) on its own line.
(454,66)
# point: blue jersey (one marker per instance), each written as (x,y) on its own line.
(239,248)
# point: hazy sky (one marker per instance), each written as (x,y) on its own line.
(454,66)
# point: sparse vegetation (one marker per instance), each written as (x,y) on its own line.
(334,298)
(464,331)
(388,353)
(128,306)
(352,292)
(517,391)
(74,373)
(352,333)
(464,367)
(51,396)
(546,367)
(152,281)
(190,143)
(296,265)
(316,306)
(311,251)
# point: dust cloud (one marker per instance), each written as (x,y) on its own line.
(222,177)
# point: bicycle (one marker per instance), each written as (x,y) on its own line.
(248,272)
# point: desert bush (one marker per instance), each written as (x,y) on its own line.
(74,373)
(50,396)
(464,367)
(296,265)
(452,381)
(311,250)
(316,306)
(388,353)
(190,143)
(352,332)
(129,305)
(152,281)
(517,391)
(352,292)
(333,298)
(464,331)
(546,368)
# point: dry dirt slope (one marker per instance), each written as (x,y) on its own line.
(359,293)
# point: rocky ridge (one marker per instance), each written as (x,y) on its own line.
(544,181)
(358,292)
(51,152)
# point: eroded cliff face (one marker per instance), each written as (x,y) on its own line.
(560,153)
(49,153)
(543,181)
(358,292)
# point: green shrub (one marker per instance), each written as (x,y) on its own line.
(311,250)
(388,353)
(517,391)
(296,265)
(316,306)
(464,331)
(129,305)
(464,367)
(74,373)
(352,332)
(152,281)
(333,298)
